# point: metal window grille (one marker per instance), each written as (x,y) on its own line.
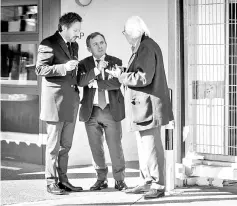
(211,49)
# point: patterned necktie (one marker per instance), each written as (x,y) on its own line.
(70,49)
(101,93)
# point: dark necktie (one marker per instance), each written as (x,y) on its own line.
(70,49)
(71,54)
(101,93)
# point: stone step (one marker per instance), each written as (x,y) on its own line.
(213,171)
(187,161)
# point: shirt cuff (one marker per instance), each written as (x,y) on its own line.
(97,71)
(95,84)
(64,70)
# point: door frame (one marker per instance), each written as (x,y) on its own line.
(176,74)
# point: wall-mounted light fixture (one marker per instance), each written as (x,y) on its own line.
(83,2)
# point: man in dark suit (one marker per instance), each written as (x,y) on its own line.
(56,63)
(102,109)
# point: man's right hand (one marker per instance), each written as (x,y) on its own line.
(102,64)
(71,65)
(93,84)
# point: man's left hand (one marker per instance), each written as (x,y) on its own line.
(115,71)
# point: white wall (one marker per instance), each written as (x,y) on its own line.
(108,17)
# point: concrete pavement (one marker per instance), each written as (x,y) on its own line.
(24,184)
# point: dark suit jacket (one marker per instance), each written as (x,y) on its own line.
(112,85)
(148,98)
(57,94)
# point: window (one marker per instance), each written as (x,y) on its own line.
(19,18)
(20,37)
(18,61)
(19,84)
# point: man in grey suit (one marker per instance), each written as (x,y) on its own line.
(56,63)
(102,109)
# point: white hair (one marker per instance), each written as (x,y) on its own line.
(136,27)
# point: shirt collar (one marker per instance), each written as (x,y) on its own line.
(63,38)
(101,58)
(137,44)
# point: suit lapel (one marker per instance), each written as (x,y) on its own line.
(62,44)
(91,63)
(108,59)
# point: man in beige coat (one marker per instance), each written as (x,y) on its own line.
(148,104)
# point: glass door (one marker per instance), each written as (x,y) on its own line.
(211,73)
(19,85)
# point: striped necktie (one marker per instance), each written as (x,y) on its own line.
(101,93)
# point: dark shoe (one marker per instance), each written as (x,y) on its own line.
(154,193)
(54,189)
(120,185)
(138,189)
(100,184)
(67,186)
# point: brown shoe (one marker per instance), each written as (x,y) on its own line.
(154,193)
(54,189)
(120,185)
(138,189)
(67,186)
(99,184)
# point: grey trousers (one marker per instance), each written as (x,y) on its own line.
(101,121)
(151,157)
(59,142)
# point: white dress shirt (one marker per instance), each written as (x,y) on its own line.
(97,72)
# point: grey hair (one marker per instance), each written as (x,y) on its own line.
(136,27)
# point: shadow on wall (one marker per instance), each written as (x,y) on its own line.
(23,152)
(20,128)
(20,113)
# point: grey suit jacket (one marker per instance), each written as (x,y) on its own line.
(57,93)
(116,99)
(148,95)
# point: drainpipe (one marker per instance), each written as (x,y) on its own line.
(169,155)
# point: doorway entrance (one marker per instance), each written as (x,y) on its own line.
(211,78)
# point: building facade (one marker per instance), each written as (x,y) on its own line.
(197,38)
